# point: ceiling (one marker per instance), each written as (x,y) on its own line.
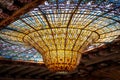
(102,63)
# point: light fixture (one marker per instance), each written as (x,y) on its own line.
(60,35)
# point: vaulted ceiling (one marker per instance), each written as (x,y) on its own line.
(102,63)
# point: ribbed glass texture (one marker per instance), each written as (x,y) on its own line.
(61,53)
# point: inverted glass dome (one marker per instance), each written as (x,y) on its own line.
(60,30)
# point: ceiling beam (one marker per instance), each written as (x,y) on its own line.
(6,69)
(30,70)
(20,12)
(37,72)
(19,68)
(112,72)
(102,58)
(43,74)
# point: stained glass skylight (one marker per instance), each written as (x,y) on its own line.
(60,30)
(18,52)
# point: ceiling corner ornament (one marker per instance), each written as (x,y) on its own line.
(60,30)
